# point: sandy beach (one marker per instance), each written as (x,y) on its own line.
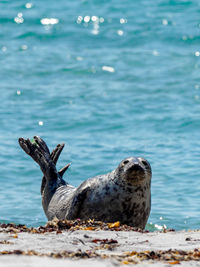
(22,246)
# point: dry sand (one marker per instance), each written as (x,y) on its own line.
(98,248)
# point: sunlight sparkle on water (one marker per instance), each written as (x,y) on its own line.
(155,53)
(19,19)
(160,227)
(122,20)
(86,19)
(120,32)
(4,48)
(95,30)
(101,19)
(197,53)
(24,47)
(108,68)
(164,22)
(28,5)
(49,21)
(79,58)
(79,19)
(94,19)
(41,123)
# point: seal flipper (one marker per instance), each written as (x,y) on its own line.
(39,152)
(77,203)
(63,170)
(56,152)
(54,156)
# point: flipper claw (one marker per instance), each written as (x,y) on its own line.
(63,170)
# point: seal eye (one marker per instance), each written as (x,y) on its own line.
(125,162)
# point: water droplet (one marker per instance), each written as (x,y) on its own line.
(18,92)
(197,53)
(41,123)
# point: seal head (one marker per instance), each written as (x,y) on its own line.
(134,170)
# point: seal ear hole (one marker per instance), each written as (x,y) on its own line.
(126,161)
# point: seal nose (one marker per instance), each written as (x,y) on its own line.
(136,167)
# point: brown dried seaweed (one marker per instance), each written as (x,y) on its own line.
(72,225)
(169,256)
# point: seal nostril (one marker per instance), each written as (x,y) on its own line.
(145,163)
(126,161)
(136,167)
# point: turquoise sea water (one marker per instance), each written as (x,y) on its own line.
(110,79)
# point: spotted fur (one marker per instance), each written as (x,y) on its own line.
(122,195)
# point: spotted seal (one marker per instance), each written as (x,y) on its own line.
(123,194)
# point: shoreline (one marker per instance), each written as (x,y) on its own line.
(102,244)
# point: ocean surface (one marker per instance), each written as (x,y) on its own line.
(110,79)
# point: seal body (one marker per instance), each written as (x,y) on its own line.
(122,195)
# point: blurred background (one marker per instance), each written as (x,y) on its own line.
(110,79)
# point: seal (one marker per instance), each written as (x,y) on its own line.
(123,194)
